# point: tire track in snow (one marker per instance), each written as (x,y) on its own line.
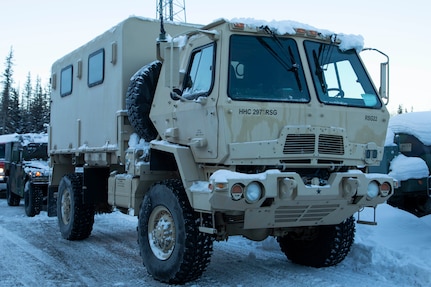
(25,254)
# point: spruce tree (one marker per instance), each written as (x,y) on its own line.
(7,81)
(26,125)
(38,109)
(14,113)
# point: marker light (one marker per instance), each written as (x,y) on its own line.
(237,191)
(385,189)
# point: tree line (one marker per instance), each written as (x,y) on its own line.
(26,110)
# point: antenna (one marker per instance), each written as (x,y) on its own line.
(172,10)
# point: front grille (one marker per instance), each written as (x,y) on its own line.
(303,213)
(299,144)
(331,144)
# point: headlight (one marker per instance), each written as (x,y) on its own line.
(253,192)
(1,170)
(373,189)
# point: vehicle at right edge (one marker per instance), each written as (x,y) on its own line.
(407,158)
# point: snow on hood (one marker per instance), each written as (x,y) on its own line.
(288,27)
(37,165)
(416,124)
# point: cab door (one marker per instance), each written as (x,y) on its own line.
(195,111)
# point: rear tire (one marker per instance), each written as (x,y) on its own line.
(75,218)
(139,98)
(12,198)
(173,249)
(322,247)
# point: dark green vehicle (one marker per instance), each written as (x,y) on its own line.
(407,157)
(28,173)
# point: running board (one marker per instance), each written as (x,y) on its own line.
(367,222)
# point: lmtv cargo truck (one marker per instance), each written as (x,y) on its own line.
(213,131)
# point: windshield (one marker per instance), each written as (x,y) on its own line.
(339,77)
(34,151)
(265,68)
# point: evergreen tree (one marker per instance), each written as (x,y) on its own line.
(7,82)
(39,109)
(14,114)
(26,124)
(47,109)
(400,109)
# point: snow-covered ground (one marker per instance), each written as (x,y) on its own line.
(396,252)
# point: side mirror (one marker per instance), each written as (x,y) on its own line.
(384,81)
(384,76)
(172,66)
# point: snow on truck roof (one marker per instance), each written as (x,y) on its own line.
(347,41)
(24,138)
(283,27)
(416,124)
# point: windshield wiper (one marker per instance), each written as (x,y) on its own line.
(319,71)
(293,67)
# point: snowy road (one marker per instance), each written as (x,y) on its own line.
(32,253)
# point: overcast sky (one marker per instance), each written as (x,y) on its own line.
(41,31)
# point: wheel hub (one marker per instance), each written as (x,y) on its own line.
(161,232)
(65,207)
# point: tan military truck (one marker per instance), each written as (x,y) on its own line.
(227,129)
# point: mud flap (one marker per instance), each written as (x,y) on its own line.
(52,201)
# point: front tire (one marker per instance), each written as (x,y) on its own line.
(32,199)
(321,246)
(75,218)
(173,249)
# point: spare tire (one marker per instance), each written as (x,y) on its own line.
(139,98)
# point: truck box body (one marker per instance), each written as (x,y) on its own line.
(90,99)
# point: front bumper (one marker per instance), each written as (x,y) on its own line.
(287,202)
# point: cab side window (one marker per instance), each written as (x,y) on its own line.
(199,78)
